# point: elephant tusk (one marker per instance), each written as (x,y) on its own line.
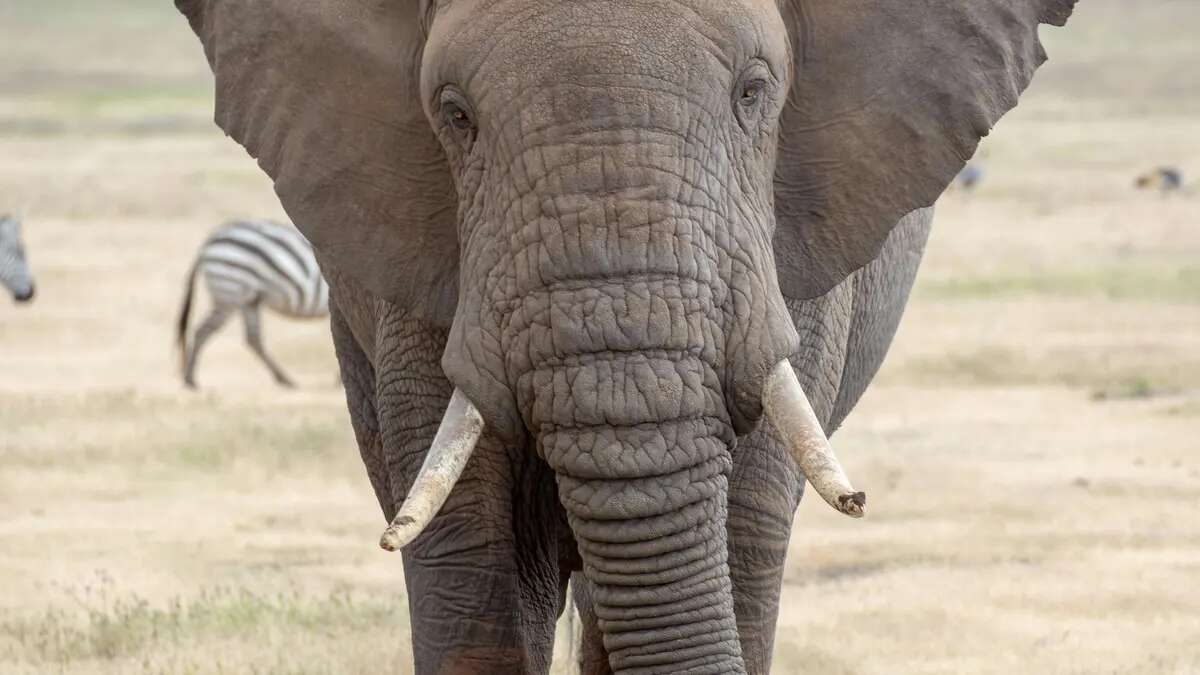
(461,427)
(785,404)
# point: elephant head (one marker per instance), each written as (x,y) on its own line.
(606,204)
(14,267)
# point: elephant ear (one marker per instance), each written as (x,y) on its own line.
(889,99)
(324,94)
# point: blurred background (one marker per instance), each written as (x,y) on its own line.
(1032,445)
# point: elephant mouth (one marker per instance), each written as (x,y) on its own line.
(785,406)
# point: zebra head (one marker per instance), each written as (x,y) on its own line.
(14,268)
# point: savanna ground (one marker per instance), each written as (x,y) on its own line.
(1032,446)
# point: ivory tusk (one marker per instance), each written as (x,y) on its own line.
(461,427)
(785,404)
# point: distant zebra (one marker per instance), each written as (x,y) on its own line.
(14,267)
(248,263)
(1164,179)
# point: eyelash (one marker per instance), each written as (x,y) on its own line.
(752,92)
(457,117)
(750,96)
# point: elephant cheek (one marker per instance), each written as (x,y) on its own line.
(761,335)
(472,363)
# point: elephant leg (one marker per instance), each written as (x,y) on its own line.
(211,324)
(843,338)
(462,589)
(484,579)
(250,315)
(764,491)
(545,555)
(593,657)
(462,584)
(482,592)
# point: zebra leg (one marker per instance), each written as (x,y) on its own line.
(254,339)
(212,323)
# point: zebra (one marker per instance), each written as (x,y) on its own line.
(1164,179)
(14,266)
(246,264)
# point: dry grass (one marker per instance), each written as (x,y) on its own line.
(1031,445)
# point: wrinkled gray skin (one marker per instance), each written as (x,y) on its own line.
(14,267)
(605,223)
(595,328)
(504,526)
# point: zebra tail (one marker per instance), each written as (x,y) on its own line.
(185,315)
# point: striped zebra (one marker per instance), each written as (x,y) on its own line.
(14,267)
(247,264)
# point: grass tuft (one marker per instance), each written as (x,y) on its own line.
(106,626)
(167,433)
(1117,283)
(1132,388)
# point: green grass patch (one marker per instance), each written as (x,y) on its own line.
(213,444)
(989,367)
(129,111)
(57,14)
(1131,388)
(1104,378)
(131,102)
(125,67)
(1118,283)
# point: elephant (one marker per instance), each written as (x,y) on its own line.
(604,278)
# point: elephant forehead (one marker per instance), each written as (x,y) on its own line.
(506,48)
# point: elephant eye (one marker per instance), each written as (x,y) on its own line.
(456,114)
(457,117)
(751,97)
(751,93)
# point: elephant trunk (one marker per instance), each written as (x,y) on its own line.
(624,315)
(640,443)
